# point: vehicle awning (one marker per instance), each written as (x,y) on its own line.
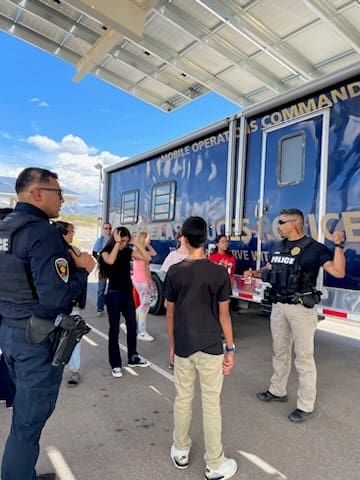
(169,52)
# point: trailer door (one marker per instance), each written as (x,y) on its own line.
(293,174)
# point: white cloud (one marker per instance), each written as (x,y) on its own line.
(73,160)
(72,144)
(40,103)
(43,143)
(5,135)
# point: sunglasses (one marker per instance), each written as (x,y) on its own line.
(281,222)
(107,228)
(59,191)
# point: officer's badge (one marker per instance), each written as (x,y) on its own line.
(295,251)
(62,269)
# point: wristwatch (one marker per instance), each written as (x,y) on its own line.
(230,349)
(340,245)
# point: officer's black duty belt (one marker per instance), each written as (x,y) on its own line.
(291,299)
(20,323)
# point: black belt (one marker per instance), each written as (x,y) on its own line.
(11,322)
(290,299)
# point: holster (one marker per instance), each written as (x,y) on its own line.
(309,299)
(266,302)
(70,330)
(38,329)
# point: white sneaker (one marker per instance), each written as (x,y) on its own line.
(226,470)
(123,327)
(100,313)
(117,372)
(145,337)
(180,457)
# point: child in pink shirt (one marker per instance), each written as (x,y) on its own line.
(143,283)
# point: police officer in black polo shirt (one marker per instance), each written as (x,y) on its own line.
(34,282)
(292,273)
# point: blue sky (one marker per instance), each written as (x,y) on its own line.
(48,120)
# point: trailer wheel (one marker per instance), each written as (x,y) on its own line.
(157,299)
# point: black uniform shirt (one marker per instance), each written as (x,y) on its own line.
(313,257)
(41,246)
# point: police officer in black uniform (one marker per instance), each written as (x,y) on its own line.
(7,387)
(292,273)
(34,282)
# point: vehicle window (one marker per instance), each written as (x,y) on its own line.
(129,207)
(163,201)
(291,159)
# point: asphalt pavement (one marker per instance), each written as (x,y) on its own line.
(116,429)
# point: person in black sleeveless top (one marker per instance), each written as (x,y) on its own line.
(114,262)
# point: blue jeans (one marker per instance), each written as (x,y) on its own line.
(101,295)
(74,363)
(37,385)
(118,302)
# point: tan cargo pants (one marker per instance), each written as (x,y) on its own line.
(209,369)
(294,324)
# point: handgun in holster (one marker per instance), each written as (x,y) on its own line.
(70,330)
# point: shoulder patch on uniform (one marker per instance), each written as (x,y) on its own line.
(62,269)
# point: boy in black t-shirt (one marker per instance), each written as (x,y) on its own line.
(197,293)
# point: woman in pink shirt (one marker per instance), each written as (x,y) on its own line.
(143,283)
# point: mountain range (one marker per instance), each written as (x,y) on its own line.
(78,209)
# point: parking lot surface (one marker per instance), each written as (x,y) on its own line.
(113,429)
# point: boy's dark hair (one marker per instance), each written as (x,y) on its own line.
(32,175)
(194,229)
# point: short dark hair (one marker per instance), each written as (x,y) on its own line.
(32,175)
(194,229)
(293,211)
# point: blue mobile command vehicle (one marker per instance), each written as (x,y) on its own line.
(299,150)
